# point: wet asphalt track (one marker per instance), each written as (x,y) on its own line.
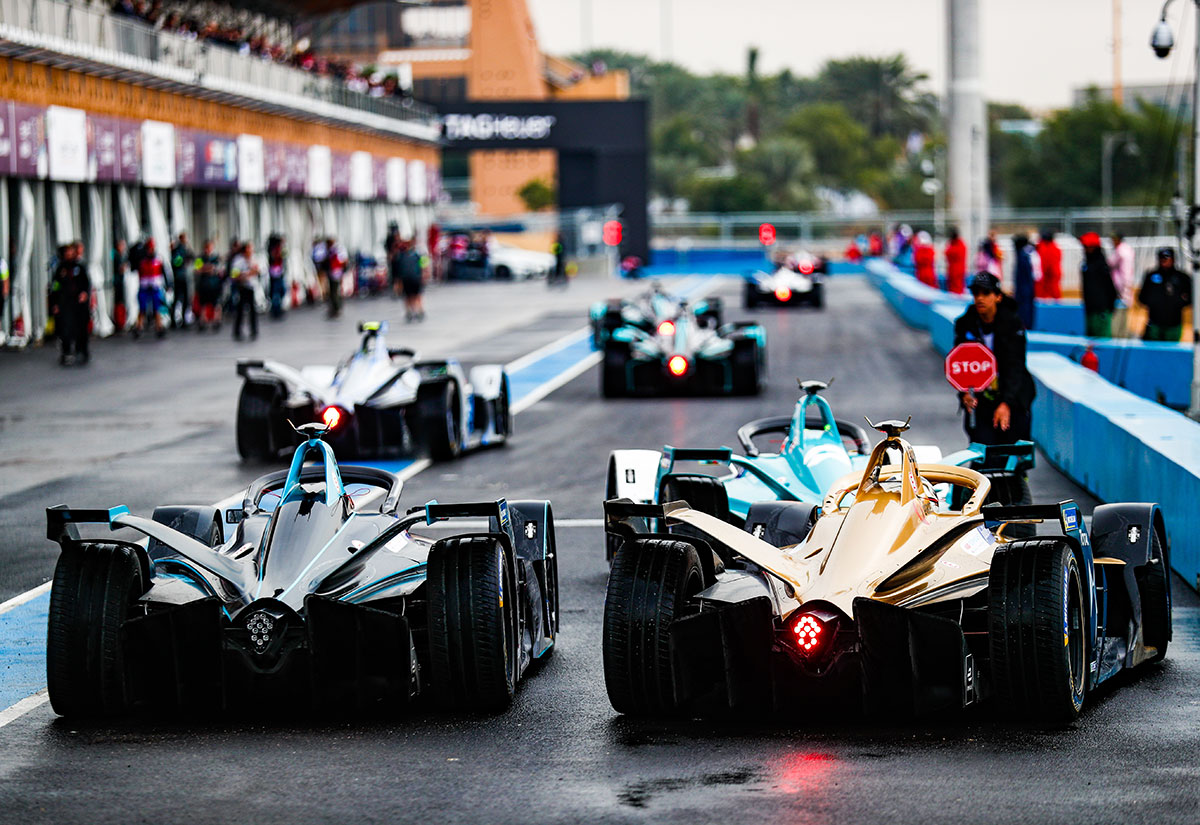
(560,754)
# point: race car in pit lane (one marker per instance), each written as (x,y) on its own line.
(683,357)
(814,451)
(308,589)
(798,279)
(648,312)
(378,401)
(881,599)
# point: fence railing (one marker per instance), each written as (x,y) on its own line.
(96,34)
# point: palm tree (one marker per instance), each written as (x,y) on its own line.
(882,93)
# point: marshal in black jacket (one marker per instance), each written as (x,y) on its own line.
(1014,385)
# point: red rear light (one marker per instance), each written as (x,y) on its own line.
(808,630)
(783,293)
(666,328)
(332,416)
(806,268)
(677,365)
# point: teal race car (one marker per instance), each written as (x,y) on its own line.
(814,450)
(648,312)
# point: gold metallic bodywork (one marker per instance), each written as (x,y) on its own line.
(894,542)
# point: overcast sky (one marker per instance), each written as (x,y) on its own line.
(1034,51)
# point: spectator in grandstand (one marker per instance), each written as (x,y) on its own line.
(181,270)
(1121,263)
(152,299)
(956,263)
(1025,270)
(210,282)
(243,273)
(277,274)
(1050,286)
(1165,293)
(71,305)
(1099,293)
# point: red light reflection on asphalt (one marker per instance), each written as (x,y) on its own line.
(803,773)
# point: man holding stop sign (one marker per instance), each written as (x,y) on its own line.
(997,411)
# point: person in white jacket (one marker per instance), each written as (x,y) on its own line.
(1120,261)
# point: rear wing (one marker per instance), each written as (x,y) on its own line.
(496,512)
(1066,513)
(62,521)
(1009,459)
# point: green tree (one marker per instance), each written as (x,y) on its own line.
(536,194)
(742,193)
(784,165)
(884,94)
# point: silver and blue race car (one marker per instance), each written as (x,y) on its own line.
(308,589)
(378,401)
(797,280)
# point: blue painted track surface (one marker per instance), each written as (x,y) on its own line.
(23,650)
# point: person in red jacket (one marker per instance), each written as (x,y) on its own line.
(925,259)
(1050,286)
(956,263)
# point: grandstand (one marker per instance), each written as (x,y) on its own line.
(126,119)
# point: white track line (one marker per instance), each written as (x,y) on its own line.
(557,344)
(27,596)
(12,714)
(538,393)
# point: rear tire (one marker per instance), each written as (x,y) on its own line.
(648,588)
(1155,593)
(472,615)
(747,371)
(1037,616)
(95,588)
(818,296)
(439,418)
(612,370)
(256,404)
(750,296)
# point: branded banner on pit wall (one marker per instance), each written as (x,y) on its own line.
(71,145)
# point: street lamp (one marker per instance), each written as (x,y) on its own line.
(1162,40)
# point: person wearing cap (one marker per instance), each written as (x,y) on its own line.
(1025,267)
(1001,413)
(1099,292)
(1165,292)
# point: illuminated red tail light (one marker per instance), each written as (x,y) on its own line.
(333,417)
(806,268)
(783,293)
(677,365)
(666,328)
(808,631)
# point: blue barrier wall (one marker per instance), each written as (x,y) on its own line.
(1155,371)
(1121,447)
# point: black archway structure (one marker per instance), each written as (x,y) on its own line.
(602,150)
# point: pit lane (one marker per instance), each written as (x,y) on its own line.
(560,754)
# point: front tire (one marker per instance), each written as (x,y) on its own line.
(648,588)
(95,589)
(472,615)
(1037,620)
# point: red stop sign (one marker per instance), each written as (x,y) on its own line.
(970,367)
(766,234)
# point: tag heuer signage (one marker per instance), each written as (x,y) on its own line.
(493,127)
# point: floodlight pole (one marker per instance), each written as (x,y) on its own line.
(967,119)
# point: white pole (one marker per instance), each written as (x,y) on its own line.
(967,131)
(1194,412)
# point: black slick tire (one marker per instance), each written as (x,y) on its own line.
(257,402)
(747,372)
(95,588)
(750,296)
(472,620)
(612,370)
(1037,630)
(438,420)
(1155,593)
(648,588)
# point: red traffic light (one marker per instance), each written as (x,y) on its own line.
(612,233)
(766,234)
